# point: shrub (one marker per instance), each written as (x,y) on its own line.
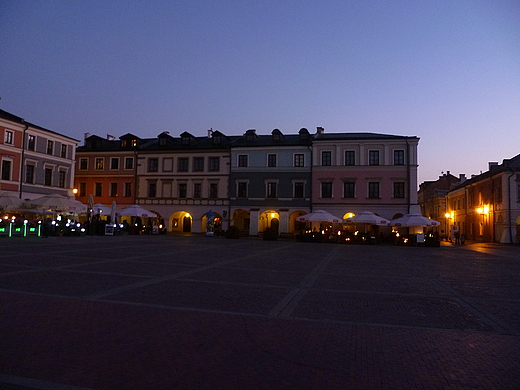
(270,234)
(233,232)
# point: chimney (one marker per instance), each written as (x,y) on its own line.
(320,130)
(462,177)
(210,132)
(110,137)
(87,135)
(447,173)
(492,165)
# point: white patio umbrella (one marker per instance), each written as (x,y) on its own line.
(368,218)
(101,209)
(9,201)
(319,216)
(77,207)
(411,220)
(54,202)
(136,211)
(113,213)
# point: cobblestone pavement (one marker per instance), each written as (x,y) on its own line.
(166,312)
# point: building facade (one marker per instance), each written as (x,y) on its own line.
(432,200)
(34,161)
(355,172)
(270,181)
(486,207)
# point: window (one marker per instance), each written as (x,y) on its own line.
(326,158)
(197,190)
(113,189)
(242,189)
(6,170)
(242,160)
(61,179)
(8,137)
(114,163)
(198,164)
(350,157)
(213,190)
(326,189)
(373,189)
(82,189)
(100,162)
(299,160)
(129,163)
(163,141)
(153,164)
(50,147)
(271,189)
(216,139)
(185,140)
(398,157)
(399,189)
(83,164)
(128,190)
(48,177)
(29,174)
(349,189)
(182,166)
(152,189)
(98,189)
(63,151)
(298,189)
(271,160)
(214,164)
(373,157)
(182,190)
(31,142)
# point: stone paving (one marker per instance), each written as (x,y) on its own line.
(167,312)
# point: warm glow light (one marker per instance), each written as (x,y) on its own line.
(480,210)
(486,209)
(188,215)
(447,215)
(349,215)
(74,191)
(273,215)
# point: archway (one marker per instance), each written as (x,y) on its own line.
(268,219)
(295,225)
(180,222)
(241,219)
(215,220)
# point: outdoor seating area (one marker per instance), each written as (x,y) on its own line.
(367,228)
(57,215)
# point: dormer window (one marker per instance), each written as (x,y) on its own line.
(185,140)
(134,143)
(124,143)
(277,135)
(162,141)
(217,139)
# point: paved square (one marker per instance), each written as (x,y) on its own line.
(168,312)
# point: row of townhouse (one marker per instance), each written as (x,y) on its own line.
(251,181)
(485,207)
(34,161)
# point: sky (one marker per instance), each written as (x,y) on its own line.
(447,72)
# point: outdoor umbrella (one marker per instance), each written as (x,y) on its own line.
(368,218)
(54,202)
(411,220)
(113,213)
(319,216)
(77,207)
(99,208)
(9,201)
(136,211)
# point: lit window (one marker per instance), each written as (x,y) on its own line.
(100,163)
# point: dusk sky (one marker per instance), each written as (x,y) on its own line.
(445,71)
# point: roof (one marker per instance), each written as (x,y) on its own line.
(359,136)
(508,165)
(16,119)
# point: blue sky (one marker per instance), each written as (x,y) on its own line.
(445,71)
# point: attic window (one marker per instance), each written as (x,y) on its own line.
(162,141)
(185,140)
(123,143)
(134,142)
(217,139)
(276,136)
(249,137)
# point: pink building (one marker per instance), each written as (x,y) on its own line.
(354,172)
